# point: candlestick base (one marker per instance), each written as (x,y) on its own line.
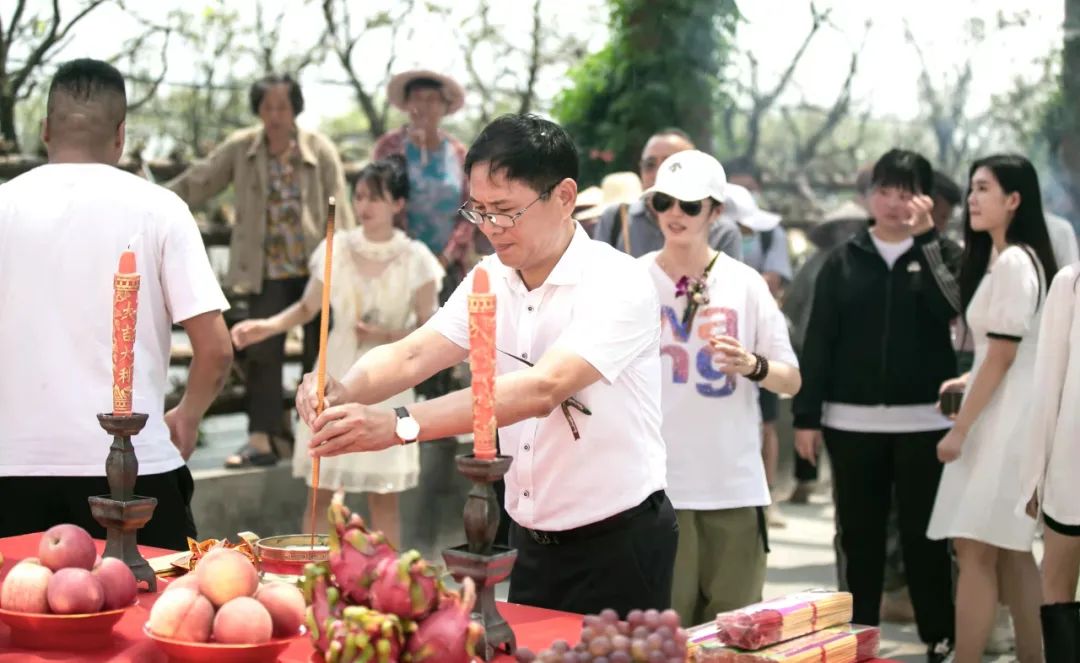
(121,512)
(479,559)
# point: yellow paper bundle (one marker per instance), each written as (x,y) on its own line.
(837,644)
(763,624)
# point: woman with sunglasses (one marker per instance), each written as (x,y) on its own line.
(722,338)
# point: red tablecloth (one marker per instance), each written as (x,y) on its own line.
(535,628)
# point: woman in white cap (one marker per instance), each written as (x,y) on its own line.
(722,337)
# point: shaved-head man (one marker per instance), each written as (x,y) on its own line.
(63,227)
(632,228)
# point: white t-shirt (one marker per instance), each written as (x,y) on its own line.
(599,304)
(891,251)
(62,230)
(712,420)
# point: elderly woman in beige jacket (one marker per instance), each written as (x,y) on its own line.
(282,177)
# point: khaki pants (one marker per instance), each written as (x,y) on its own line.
(719,564)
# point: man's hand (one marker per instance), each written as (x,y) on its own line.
(353,427)
(249,332)
(921,220)
(950,446)
(307,397)
(808,444)
(183,431)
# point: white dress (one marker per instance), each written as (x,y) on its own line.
(1052,459)
(979,491)
(360,290)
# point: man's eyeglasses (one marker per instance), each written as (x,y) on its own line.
(565,405)
(649,163)
(662,202)
(500,219)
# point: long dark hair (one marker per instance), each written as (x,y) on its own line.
(386,178)
(1015,174)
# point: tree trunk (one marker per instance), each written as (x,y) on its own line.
(10,138)
(1069,150)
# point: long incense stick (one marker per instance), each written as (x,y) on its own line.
(320,374)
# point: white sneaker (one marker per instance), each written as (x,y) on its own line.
(1002,639)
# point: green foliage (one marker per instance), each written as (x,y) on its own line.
(660,69)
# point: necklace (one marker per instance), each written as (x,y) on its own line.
(670,269)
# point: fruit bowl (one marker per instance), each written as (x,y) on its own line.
(93,630)
(192,652)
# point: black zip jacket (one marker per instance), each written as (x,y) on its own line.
(878,336)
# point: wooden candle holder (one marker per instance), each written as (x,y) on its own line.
(122,512)
(487,564)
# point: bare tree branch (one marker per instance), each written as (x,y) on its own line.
(529,92)
(154,84)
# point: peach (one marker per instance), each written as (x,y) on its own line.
(182,614)
(75,591)
(243,621)
(226,574)
(189,580)
(286,606)
(25,588)
(67,545)
(118,582)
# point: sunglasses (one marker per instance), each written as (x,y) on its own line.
(662,202)
(565,405)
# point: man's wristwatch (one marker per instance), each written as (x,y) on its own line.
(407,430)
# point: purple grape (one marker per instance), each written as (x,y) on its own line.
(609,616)
(657,657)
(669,648)
(635,618)
(525,655)
(620,657)
(653,642)
(570,657)
(623,628)
(592,620)
(664,632)
(583,646)
(560,646)
(670,618)
(640,633)
(652,619)
(638,650)
(600,659)
(588,633)
(611,630)
(600,646)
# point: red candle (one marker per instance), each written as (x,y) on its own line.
(482,364)
(125,308)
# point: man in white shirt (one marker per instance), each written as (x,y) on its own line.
(592,524)
(63,227)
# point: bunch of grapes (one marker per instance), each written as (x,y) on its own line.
(645,637)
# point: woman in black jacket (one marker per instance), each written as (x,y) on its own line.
(876,349)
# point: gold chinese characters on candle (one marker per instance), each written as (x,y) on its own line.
(125,310)
(482,364)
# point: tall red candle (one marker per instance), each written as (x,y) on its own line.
(125,309)
(482,364)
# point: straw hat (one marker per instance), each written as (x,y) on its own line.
(452,90)
(617,188)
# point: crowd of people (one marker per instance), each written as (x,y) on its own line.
(643,348)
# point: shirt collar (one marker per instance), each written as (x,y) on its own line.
(567,270)
(302,144)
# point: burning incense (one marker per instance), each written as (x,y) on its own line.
(320,373)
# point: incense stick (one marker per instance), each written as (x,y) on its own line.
(320,374)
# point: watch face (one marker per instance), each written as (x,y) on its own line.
(407,429)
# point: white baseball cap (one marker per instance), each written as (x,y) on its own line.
(690,175)
(741,208)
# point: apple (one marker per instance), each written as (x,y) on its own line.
(64,546)
(118,582)
(75,591)
(25,588)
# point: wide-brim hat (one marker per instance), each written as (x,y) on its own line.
(452,90)
(616,189)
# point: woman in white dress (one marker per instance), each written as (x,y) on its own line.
(1053,463)
(384,285)
(1002,283)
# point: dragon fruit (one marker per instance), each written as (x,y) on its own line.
(365,635)
(324,604)
(447,635)
(355,552)
(407,587)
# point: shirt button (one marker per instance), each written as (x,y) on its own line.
(526,447)
(526,493)
(530,308)
(524,355)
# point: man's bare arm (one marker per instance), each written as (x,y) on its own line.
(391,369)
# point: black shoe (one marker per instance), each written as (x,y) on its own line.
(1061,632)
(939,652)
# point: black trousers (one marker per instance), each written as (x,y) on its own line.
(38,503)
(867,467)
(264,360)
(625,566)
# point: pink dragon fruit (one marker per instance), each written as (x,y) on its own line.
(407,587)
(366,635)
(324,604)
(355,552)
(447,635)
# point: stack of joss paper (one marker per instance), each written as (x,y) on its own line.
(803,627)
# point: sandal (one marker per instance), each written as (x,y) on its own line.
(249,456)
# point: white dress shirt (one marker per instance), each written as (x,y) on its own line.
(599,304)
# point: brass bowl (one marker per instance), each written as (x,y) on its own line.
(288,554)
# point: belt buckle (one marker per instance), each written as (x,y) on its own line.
(543,538)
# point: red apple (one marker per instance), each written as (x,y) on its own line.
(64,546)
(25,588)
(118,582)
(74,592)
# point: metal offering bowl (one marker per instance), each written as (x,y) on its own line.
(288,554)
